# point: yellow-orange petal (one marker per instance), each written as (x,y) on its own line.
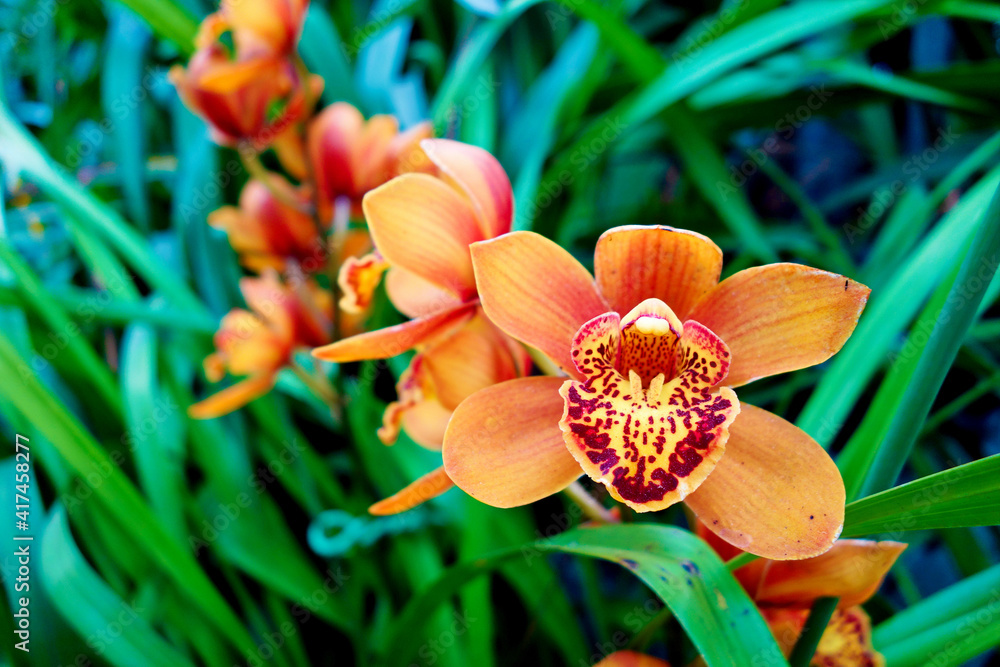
(389,342)
(536,291)
(503,445)
(358,278)
(851,570)
(431,485)
(781,317)
(415,297)
(473,358)
(405,155)
(227,77)
(649,444)
(634,263)
(416,409)
(631,659)
(846,642)
(422,224)
(776,493)
(371,149)
(479,175)
(232,398)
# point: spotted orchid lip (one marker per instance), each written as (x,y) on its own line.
(655,437)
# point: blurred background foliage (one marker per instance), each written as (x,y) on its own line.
(859,136)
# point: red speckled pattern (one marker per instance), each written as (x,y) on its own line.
(649,355)
(846,642)
(654,436)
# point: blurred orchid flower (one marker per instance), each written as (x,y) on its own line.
(852,570)
(256,92)
(259,342)
(255,101)
(648,410)
(350,156)
(270,227)
(631,659)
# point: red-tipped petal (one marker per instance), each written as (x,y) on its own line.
(636,263)
(480,176)
(422,224)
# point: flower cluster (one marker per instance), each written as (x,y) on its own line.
(643,358)
(292,226)
(638,363)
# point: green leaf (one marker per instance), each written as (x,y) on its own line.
(38,298)
(890,310)
(23,156)
(327,54)
(168,20)
(948,628)
(72,443)
(154,429)
(964,496)
(916,380)
(124,90)
(114,628)
(683,571)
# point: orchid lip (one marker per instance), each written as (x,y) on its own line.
(649,420)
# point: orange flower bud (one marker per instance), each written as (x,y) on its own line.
(271,226)
(238,98)
(351,156)
(259,342)
(264,27)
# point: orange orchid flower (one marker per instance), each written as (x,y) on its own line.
(237,98)
(268,229)
(631,659)
(422,226)
(784,591)
(261,28)
(259,342)
(649,409)
(350,156)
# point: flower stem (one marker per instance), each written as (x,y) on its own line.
(737,562)
(592,509)
(319,386)
(544,364)
(819,618)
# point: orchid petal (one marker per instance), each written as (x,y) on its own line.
(415,297)
(479,175)
(232,398)
(503,446)
(676,266)
(422,224)
(536,291)
(428,486)
(851,570)
(781,317)
(776,493)
(388,342)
